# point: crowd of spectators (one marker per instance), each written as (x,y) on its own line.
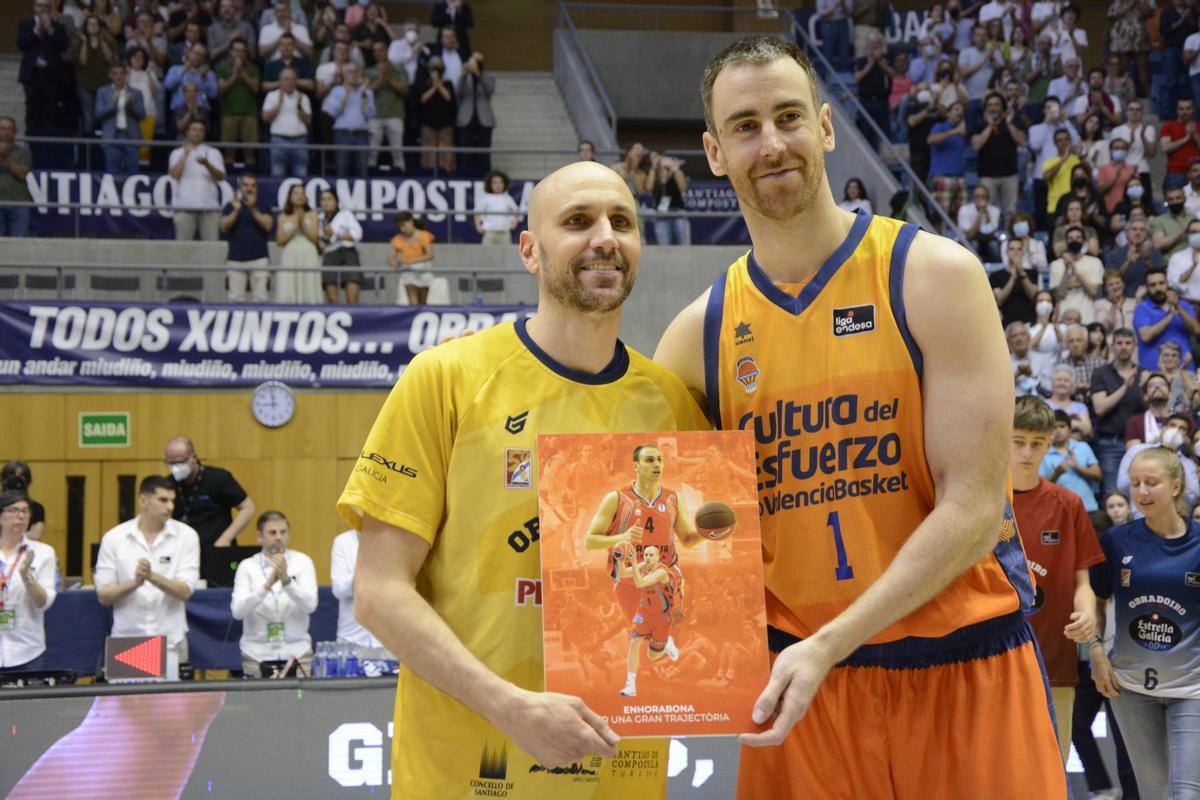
(257,73)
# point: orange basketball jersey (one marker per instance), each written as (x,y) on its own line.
(829,382)
(657,518)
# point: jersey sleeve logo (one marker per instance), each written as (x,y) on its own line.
(1192,579)
(746,372)
(1051,537)
(854,320)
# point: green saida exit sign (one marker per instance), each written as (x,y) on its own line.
(108,429)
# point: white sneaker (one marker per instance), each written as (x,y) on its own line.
(671,650)
(630,690)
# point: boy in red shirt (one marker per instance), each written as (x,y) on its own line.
(1060,544)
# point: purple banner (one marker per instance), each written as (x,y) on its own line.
(428,198)
(171,345)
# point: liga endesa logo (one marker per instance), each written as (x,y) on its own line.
(856,319)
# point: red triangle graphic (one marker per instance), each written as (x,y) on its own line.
(146,657)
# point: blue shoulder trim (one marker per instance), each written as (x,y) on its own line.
(712,348)
(896,291)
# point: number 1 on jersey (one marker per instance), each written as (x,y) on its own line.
(844,571)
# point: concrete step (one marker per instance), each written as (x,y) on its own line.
(530,113)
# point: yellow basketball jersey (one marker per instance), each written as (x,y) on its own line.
(829,381)
(451,458)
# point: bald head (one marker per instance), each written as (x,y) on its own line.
(554,191)
(182,445)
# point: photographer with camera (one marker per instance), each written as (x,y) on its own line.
(16,477)
(668,189)
(246,228)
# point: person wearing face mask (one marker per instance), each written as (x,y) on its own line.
(1169,230)
(1174,433)
(1048,335)
(1075,277)
(1134,205)
(1162,317)
(1182,273)
(1070,463)
(1113,178)
(1142,138)
(923,66)
(207,498)
(1033,251)
(1046,143)
(410,53)
(1015,286)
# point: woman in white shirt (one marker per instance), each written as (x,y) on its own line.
(496,213)
(339,234)
(1047,336)
(854,197)
(26,585)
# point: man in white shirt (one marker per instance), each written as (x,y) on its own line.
(1182,273)
(1142,138)
(289,113)
(1070,84)
(406,50)
(26,588)
(1191,190)
(268,37)
(342,560)
(979,221)
(274,594)
(199,171)
(148,568)
(1075,278)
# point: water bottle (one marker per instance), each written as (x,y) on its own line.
(332,665)
(341,660)
(351,670)
(318,662)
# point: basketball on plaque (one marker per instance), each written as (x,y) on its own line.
(652,581)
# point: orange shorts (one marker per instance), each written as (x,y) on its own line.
(656,626)
(976,723)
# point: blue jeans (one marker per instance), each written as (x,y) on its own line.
(14,221)
(672,231)
(87,112)
(122,160)
(351,163)
(1109,453)
(1163,738)
(835,44)
(288,158)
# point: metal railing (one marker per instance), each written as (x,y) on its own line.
(21,280)
(568,48)
(849,96)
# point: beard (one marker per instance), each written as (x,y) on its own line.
(565,287)
(778,203)
(1158,297)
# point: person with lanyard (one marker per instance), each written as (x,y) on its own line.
(274,593)
(26,587)
(1152,672)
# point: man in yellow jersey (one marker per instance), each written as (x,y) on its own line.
(448,568)
(881,402)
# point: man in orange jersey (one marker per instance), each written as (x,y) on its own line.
(641,514)
(896,583)
(660,588)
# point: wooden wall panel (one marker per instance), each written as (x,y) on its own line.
(299,469)
(31,427)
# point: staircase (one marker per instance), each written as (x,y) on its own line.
(530,114)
